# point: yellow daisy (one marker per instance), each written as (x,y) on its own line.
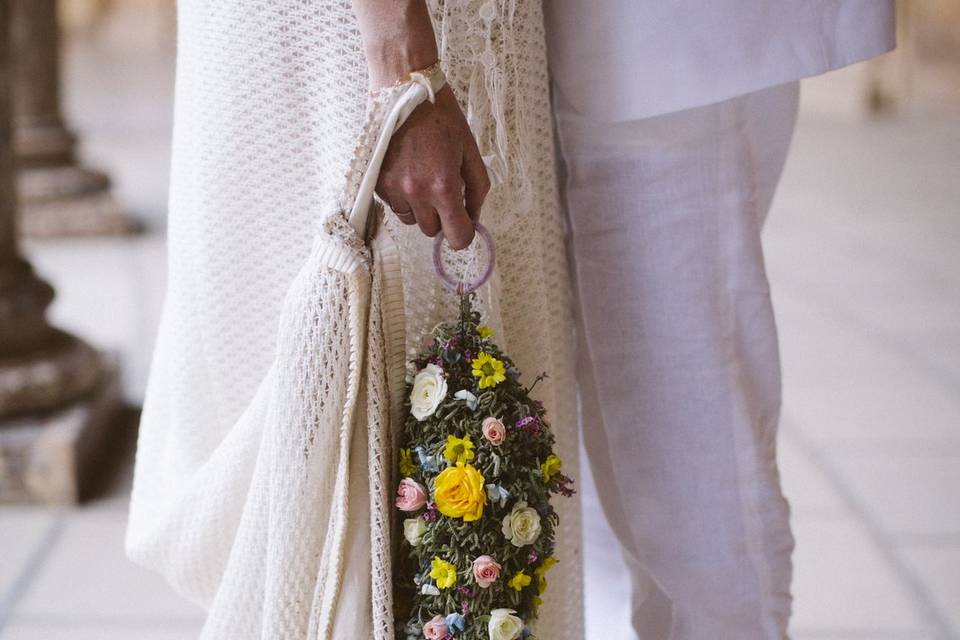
(407,468)
(550,467)
(484,331)
(490,370)
(458,449)
(519,580)
(542,569)
(443,572)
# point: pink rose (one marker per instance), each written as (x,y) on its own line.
(435,628)
(410,495)
(485,571)
(494,431)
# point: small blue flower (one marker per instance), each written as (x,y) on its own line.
(427,463)
(467,397)
(497,494)
(455,622)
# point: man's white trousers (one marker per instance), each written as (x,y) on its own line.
(679,370)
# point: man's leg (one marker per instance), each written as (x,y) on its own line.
(679,369)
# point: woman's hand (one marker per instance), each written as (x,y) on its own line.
(432,174)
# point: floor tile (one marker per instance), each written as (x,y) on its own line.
(831,634)
(941,347)
(87,574)
(24,532)
(908,494)
(85,629)
(806,488)
(841,385)
(938,568)
(843,584)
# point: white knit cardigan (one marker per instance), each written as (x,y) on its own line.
(266,456)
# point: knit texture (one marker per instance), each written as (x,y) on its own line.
(260,421)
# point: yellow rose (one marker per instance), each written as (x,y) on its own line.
(459,492)
(550,467)
(443,572)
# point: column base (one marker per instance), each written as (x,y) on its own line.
(69,200)
(53,458)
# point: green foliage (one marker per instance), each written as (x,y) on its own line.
(514,465)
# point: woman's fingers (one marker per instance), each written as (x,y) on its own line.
(427,218)
(435,209)
(475,180)
(402,210)
(447,193)
(406,217)
(457,226)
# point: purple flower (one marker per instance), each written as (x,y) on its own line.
(530,424)
(523,422)
(431,513)
(565,485)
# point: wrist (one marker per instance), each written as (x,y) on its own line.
(404,42)
(389,64)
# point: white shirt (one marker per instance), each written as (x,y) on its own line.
(626,59)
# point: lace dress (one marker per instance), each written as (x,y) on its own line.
(270,97)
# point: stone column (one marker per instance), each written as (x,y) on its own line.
(57,394)
(57,195)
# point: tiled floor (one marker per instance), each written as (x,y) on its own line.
(864,255)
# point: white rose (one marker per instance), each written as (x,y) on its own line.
(504,625)
(429,390)
(413,530)
(522,525)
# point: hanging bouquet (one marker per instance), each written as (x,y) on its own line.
(478,471)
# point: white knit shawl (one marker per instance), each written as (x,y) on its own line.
(280,351)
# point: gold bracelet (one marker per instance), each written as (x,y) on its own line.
(427,72)
(430,76)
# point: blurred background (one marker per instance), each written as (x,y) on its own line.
(863,250)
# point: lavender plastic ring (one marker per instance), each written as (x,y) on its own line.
(458,285)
